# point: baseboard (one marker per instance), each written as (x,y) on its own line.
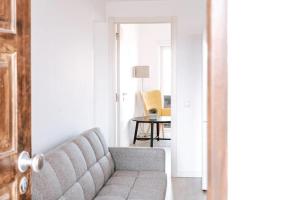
(193,174)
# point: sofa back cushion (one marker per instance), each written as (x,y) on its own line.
(75,170)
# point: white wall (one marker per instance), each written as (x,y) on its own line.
(62,70)
(189,30)
(65,88)
(264,46)
(103,93)
(151,37)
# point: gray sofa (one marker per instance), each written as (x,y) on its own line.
(85,168)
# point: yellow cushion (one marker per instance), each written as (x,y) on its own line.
(166,112)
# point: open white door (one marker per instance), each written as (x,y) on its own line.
(127,57)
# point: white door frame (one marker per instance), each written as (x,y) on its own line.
(113,61)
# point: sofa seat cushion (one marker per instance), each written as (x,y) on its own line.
(109,198)
(134,185)
(149,186)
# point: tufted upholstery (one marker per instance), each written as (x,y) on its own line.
(84,169)
(75,170)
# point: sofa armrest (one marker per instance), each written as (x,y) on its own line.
(138,159)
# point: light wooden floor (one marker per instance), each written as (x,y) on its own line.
(182,188)
(185,189)
(178,188)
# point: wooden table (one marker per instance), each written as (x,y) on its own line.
(147,120)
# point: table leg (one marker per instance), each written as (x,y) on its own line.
(135,132)
(157,130)
(151,143)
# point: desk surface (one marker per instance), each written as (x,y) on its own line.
(161,119)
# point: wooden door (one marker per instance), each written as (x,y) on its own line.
(217,99)
(15,122)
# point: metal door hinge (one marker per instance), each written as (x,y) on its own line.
(117,36)
(117,97)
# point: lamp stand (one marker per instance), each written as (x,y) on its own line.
(145,133)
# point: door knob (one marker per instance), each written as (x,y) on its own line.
(124,94)
(36,163)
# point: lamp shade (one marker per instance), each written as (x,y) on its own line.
(141,72)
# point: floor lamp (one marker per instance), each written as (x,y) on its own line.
(141,72)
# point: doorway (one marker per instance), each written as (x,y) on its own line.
(143,65)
